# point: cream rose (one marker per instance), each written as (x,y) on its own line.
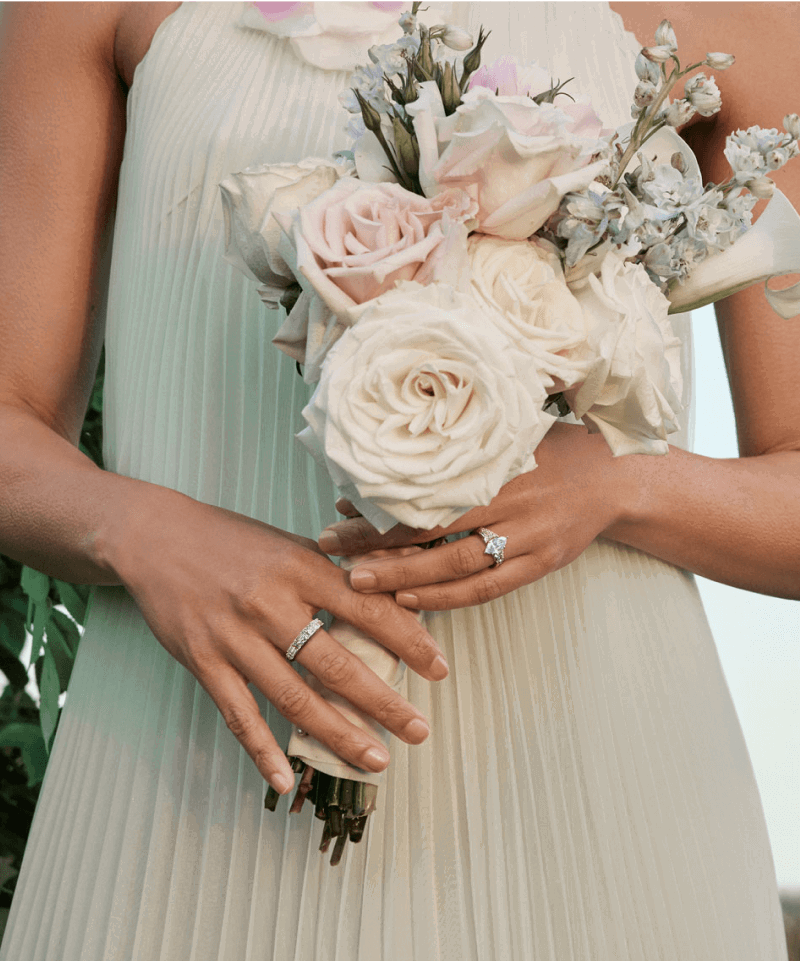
(424,409)
(523,283)
(354,243)
(632,394)
(251,198)
(515,157)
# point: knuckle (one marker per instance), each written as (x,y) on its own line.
(345,744)
(485,589)
(292,700)
(240,721)
(462,561)
(334,668)
(263,758)
(371,607)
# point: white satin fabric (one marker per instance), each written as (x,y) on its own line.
(585,795)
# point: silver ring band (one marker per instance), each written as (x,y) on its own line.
(495,545)
(302,638)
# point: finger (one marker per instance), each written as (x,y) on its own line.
(476,589)
(345,507)
(347,675)
(274,676)
(379,617)
(357,536)
(236,704)
(440,564)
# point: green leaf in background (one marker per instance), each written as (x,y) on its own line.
(72,599)
(10,664)
(62,655)
(37,586)
(69,629)
(49,690)
(28,738)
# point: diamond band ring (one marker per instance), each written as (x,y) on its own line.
(302,638)
(495,545)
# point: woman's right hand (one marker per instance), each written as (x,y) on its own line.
(226,595)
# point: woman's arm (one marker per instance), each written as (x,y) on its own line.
(224,594)
(735,521)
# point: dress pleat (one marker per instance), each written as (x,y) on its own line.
(585,794)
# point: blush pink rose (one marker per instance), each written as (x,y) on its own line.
(514,157)
(355,242)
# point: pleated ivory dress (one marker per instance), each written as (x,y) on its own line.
(585,795)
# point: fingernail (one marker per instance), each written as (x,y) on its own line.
(329,542)
(283,783)
(361,580)
(439,669)
(376,758)
(416,730)
(404,599)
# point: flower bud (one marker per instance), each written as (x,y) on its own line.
(720,61)
(665,36)
(372,119)
(407,147)
(453,37)
(451,92)
(473,59)
(777,158)
(678,161)
(658,54)
(644,94)
(679,112)
(791,124)
(647,70)
(761,187)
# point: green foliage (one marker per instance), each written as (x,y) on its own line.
(53,613)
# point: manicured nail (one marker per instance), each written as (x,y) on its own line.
(283,783)
(376,758)
(362,580)
(404,599)
(416,730)
(329,542)
(439,669)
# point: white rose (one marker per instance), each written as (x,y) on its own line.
(523,283)
(424,409)
(251,198)
(632,394)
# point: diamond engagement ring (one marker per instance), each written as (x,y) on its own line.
(495,545)
(302,638)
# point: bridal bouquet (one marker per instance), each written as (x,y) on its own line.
(485,258)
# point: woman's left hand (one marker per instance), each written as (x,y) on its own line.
(549,516)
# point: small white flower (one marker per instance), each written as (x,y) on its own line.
(720,61)
(391,57)
(777,158)
(647,70)
(645,93)
(703,94)
(761,187)
(665,36)
(658,54)
(408,22)
(679,112)
(453,37)
(791,123)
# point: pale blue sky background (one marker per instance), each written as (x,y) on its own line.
(758,637)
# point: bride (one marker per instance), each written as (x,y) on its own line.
(569,780)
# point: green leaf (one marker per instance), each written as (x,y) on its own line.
(62,655)
(28,738)
(35,584)
(68,627)
(41,615)
(49,691)
(72,599)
